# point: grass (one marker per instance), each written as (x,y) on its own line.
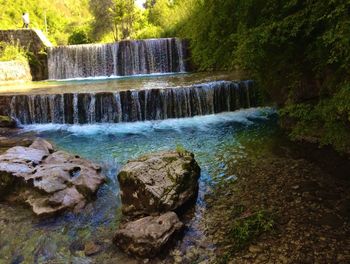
(9,52)
(249,226)
(180,149)
(245,227)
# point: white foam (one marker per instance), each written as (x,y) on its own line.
(199,122)
(117,77)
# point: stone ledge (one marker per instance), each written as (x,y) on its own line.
(14,71)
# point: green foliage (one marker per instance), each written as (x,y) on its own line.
(247,227)
(149,31)
(79,36)
(10,52)
(119,17)
(180,149)
(298,52)
(62,17)
(327,122)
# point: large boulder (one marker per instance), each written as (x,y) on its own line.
(147,236)
(158,182)
(49,181)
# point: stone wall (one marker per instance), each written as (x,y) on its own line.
(34,41)
(5,103)
(14,70)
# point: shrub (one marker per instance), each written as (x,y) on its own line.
(10,52)
(79,36)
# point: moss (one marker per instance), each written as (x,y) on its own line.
(123,176)
(5,119)
(180,149)
(6,183)
(169,159)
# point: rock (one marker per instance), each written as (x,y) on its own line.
(255,249)
(147,236)
(50,183)
(68,198)
(43,145)
(15,141)
(61,169)
(6,121)
(158,182)
(6,184)
(91,248)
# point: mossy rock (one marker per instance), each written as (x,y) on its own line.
(6,121)
(6,183)
(158,182)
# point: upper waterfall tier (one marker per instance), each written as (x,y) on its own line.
(117,59)
(131,105)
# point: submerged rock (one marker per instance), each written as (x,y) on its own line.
(91,248)
(6,121)
(147,236)
(49,181)
(158,182)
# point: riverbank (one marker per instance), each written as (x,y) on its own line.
(305,193)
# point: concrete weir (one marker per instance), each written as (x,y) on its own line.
(130,105)
(34,41)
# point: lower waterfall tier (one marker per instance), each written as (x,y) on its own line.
(131,105)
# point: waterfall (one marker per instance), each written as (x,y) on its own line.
(117,59)
(132,105)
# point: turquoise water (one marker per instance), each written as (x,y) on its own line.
(102,84)
(60,239)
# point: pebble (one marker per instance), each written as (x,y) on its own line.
(91,248)
(283,259)
(255,249)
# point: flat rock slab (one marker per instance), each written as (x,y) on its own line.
(15,141)
(158,182)
(147,236)
(49,181)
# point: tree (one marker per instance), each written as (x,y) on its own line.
(79,36)
(116,16)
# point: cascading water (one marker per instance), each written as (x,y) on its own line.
(132,105)
(117,59)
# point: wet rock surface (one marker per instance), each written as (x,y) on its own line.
(155,184)
(10,137)
(147,236)
(158,182)
(46,180)
(7,122)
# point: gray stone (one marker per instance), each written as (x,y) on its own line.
(49,183)
(34,41)
(147,236)
(43,145)
(14,71)
(158,182)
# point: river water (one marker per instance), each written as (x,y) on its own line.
(26,239)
